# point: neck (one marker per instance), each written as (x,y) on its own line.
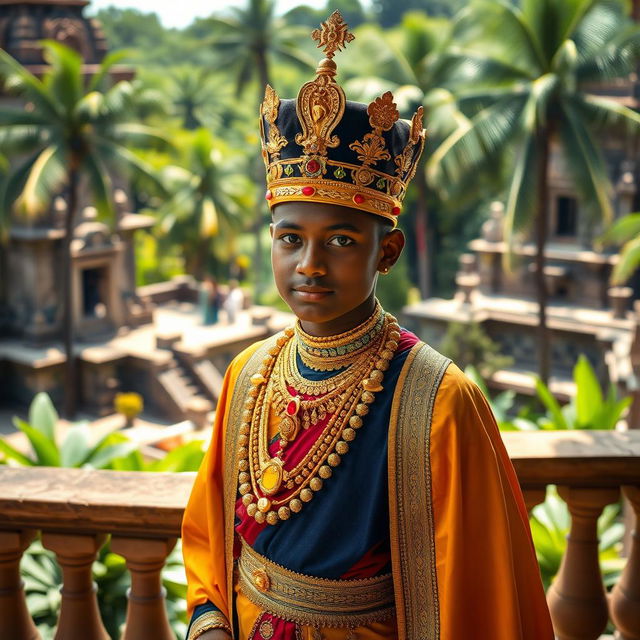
(346,322)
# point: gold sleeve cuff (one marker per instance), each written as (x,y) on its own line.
(208,621)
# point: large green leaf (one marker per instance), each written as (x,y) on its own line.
(75,446)
(46,178)
(623,229)
(588,397)
(552,405)
(628,262)
(187,457)
(14,454)
(46,452)
(43,415)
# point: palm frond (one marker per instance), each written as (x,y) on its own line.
(46,178)
(22,139)
(622,230)
(472,148)
(14,183)
(586,164)
(498,30)
(628,262)
(120,160)
(18,80)
(14,117)
(64,78)
(137,135)
(607,114)
(101,186)
(99,78)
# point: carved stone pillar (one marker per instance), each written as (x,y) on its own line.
(576,598)
(625,597)
(79,613)
(146,613)
(15,621)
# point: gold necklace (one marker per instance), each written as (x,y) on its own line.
(262,476)
(329,353)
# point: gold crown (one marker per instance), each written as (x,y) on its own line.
(322,148)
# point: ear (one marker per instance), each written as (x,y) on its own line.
(391,246)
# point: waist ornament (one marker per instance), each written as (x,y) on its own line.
(315,602)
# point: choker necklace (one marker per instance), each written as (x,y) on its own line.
(340,410)
(329,353)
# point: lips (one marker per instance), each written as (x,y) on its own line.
(311,293)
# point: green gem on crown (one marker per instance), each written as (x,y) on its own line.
(339,173)
(288,170)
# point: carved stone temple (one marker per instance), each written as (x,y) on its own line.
(120,345)
(585,314)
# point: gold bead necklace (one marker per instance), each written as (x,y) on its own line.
(262,476)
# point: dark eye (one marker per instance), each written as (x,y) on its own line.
(341,241)
(290,238)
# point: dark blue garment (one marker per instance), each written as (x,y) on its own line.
(350,515)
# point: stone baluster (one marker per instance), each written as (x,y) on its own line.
(146,613)
(79,613)
(577,598)
(15,621)
(532,497)
(625,597)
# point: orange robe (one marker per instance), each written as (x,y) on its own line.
(486,579)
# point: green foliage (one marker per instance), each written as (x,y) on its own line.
(521,75)
(40,572)
(589,408)
(550,523)
(625,232)
(468,344)
(72,126)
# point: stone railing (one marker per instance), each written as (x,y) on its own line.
(75,510)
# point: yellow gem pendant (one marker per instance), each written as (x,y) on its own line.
(271,477)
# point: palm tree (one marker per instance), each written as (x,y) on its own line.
(247,41)
(413,61)
(209,197)
(68,132)
(528,68)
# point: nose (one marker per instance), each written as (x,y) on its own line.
(312,262)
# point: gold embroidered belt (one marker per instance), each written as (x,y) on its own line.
(312,601)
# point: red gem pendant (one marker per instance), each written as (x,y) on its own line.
(294,406)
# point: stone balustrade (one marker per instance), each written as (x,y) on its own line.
(75,510)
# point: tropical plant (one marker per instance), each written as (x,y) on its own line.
(247,42)
(468,344)
(550,522)
(589,407)
(625,232)
(71,129)
(209,199)
(40,572)
(527,67)
(413,61)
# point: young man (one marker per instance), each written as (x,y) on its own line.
(356,486)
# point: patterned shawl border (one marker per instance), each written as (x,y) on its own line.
(410,502)
(240,392)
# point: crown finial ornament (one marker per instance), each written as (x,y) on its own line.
(333,34)
(322,148)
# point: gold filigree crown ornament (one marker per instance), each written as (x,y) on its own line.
(322,148)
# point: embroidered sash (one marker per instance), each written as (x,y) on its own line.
(410,505)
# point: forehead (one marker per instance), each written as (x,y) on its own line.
(319,216)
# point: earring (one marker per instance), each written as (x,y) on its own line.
(384,270)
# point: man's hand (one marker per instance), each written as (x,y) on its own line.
(215,634)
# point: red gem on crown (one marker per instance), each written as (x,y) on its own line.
(313,166)
(268,195)
(308,191)
(358,198)
(395,211)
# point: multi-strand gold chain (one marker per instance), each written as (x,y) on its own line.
(330,353)
(262,476)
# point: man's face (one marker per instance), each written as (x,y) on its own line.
(325,259)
